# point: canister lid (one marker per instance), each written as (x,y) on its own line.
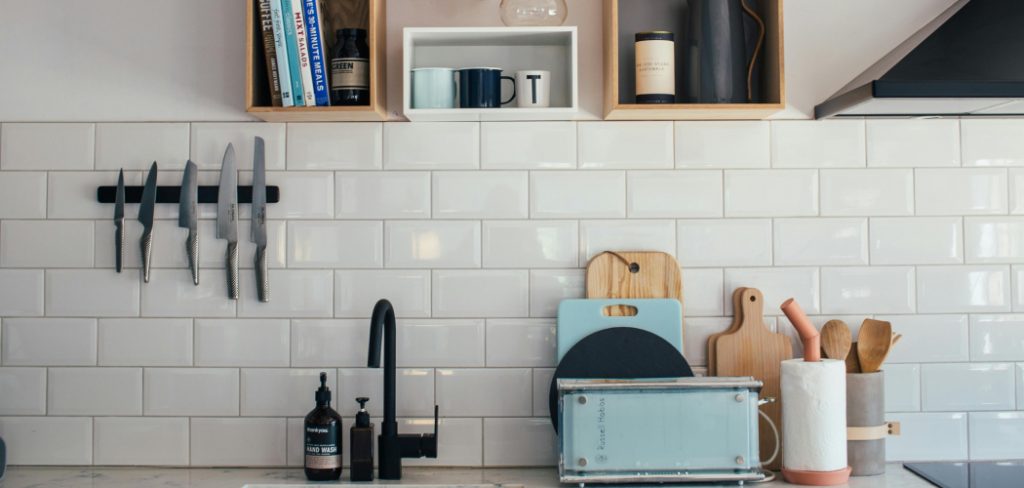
(655,36)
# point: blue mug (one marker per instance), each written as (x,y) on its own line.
(481,88)
(433,88)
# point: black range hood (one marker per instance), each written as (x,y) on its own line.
(969,61)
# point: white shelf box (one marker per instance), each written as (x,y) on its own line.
(512,49)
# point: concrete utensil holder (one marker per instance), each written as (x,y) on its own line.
(866,425)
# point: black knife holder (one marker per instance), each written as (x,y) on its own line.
(169,194)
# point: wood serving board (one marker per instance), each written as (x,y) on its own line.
(629,274)
(737,318)
(754,350)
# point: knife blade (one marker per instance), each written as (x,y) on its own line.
(119,223)
(146,209)
(227,216)
(188,201)
(259,219)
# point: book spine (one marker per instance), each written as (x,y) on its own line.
(293,52)
(270,57)
(284,77)
(300,38)
(314,34)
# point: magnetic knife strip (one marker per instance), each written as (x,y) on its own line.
(169,194)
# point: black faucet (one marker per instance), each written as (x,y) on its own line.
(392,446)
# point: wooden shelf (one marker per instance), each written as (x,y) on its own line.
(653,17)
(367,14)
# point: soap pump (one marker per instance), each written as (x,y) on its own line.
(361,448)
(322,432)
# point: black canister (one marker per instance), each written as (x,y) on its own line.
(350,68)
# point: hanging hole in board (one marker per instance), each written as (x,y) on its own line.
(619,311)
(634,268)
(753,298)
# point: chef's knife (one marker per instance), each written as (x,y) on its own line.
(259,220)
(146,217)
(227,216)
(187,214)
(119,223)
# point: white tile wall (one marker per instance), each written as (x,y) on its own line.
(476,231)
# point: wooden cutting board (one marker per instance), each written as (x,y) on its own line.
(737,318)
(754,350)
(633,274)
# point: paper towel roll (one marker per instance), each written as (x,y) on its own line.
(814,414)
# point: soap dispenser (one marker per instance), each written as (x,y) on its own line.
(323,437)
(361,447)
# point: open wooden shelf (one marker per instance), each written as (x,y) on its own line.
(366,14)
(653,17)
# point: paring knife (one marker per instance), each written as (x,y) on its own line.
(119,223)
(188,200)
(227,216)
(146,217)
(259,220)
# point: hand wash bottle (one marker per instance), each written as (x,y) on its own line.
(323,437)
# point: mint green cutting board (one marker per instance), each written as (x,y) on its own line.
(579,318)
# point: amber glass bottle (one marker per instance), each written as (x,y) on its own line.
(323,438)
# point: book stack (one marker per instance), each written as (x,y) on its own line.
(295,52)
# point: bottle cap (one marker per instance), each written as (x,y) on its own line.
(323,394)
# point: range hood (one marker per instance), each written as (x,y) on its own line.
(969,61)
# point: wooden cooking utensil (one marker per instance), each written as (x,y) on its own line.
(640,274)
(896,338)
(754,350)
(737,318)
(853,360)
(873,343)
(836,339)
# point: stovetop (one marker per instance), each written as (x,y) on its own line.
(1001,474)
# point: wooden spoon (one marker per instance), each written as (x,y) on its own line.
(836,339)
(873,343)
(852,360)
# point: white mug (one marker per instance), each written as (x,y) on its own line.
(533,88)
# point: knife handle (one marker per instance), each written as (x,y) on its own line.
(118,244)
(262,277)
(232,270)
(192,248)
(147,252)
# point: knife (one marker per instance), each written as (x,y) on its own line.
(259,220)
(227,216)
(187,215)
(119,223)
(146,217)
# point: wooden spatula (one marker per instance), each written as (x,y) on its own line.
(873,343)
(836,339)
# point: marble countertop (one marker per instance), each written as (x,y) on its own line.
(89,477)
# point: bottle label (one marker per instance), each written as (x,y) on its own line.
(323,449)
(350,74)
(655,68)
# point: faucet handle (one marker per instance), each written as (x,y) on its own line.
(429,444)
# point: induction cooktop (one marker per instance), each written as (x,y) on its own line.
(1001,474)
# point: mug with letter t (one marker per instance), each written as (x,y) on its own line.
(481,88)
(533,88)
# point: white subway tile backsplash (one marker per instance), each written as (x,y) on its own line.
(441,145)
(929,338)
(771,193)
(47,441)
(598,236)
(329,343)
(720,144)
(480,293)
(94,391)
(241,342)
(414,391)
(530,244)
(460,441)
(335,146)
(973,386)
(22,195)
(91,293)
(912,143)
(902,387)
(432,244)
(506,441)
(216,441)
(997,338)
(849,290)
(995,436)
(23,293)
(49,342)
(37,244)
(992,142)
(24,391)
(1020,386)
(697,331)
(572,194)
(974,191)
(625,145)
(1016,177)
(336,244)
(820,241)
(928,437)
(730,242)
(674,194)
(453,343)
(884,192)
(951,289)
(538,145)
(703,289)
(139,441)
(301,293)
(541,388)
(72,194)
(548,287)
(145,342)
(356,292)
(492,392)
(994,239)
(136,146)
(916,240)
(817,144)
(521,343)
(1017,279)
(777,285)
(190,391)
(382,194)
(210,139)
(65,146)
(305,195)
(273,392)
(171,293)
(480,194)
